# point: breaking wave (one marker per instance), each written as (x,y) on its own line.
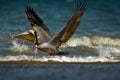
(19,47)
(105,47)
(99,43)
(93,41)
(58,59)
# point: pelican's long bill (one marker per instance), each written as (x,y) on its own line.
(27,35)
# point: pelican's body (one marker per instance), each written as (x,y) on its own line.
(46,47)
(43,40)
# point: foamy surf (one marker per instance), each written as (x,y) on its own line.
(21,48)
(58,58)
(92,43)
(103,49)
(99,43)
(86,42)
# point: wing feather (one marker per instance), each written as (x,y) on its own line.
(31,14)
(38,25)
(70,27)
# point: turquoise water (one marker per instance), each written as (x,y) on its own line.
(97,39)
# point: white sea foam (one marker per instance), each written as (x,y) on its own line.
(83,41)
(104,45)
(57,58)
(94,40)
(18,47)
(105,52)
(105,40)
(74,42)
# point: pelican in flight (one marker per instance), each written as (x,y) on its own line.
(41,36)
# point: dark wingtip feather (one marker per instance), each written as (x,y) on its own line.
(29,11)
(81,6)
(32,14)
(33,18)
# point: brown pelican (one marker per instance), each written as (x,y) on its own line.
(42,36)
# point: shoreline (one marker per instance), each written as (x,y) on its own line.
(53,62)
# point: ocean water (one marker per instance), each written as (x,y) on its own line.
(97,40)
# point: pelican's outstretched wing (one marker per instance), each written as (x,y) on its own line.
(38,25)
(70,27)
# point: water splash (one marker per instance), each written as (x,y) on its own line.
(104,51)
(17,47)
(86,42)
